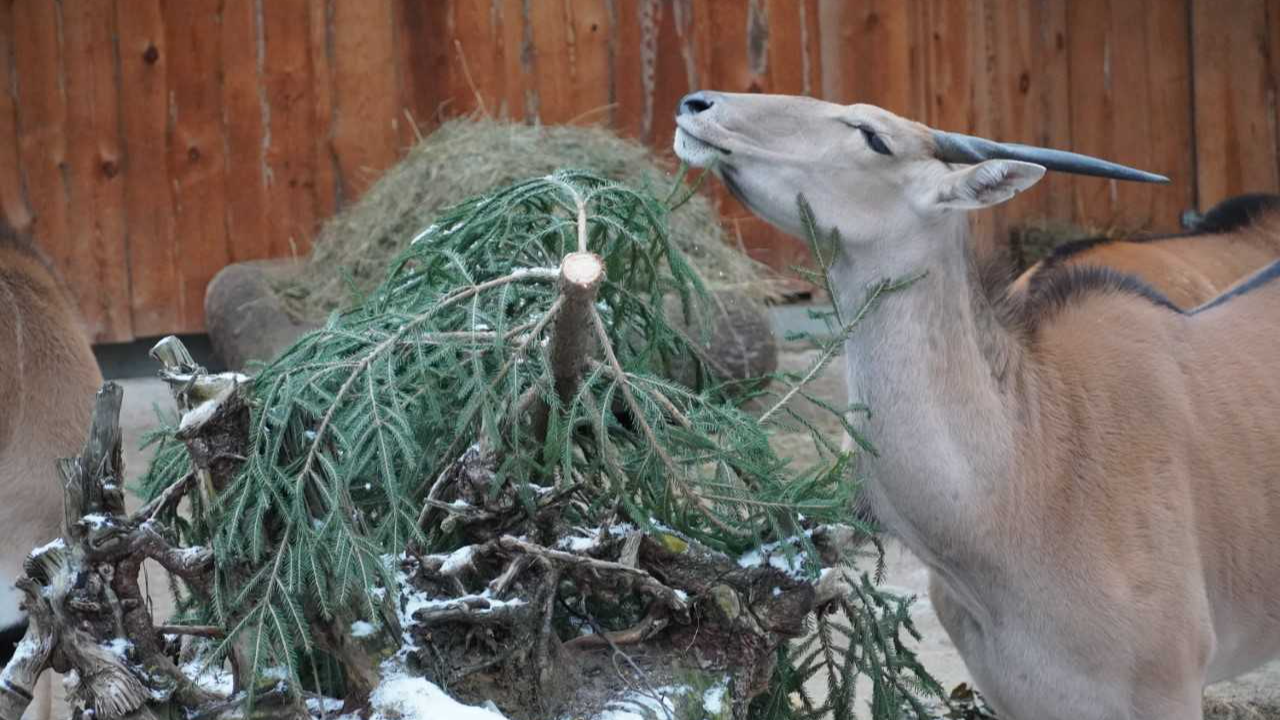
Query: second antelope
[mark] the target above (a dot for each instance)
(1236, 237)
(48, 376)
(1090, 473)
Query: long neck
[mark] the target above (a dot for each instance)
(939, 374)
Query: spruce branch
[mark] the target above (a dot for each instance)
(448, 464)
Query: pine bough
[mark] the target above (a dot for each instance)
(480, 484)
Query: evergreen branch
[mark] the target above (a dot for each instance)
(363, 364)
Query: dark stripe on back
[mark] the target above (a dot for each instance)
(1230, 215)
(1257, 280)
(1237, 212)
(1051, 292)
(9, 639)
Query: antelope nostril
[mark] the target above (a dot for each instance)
(694, 103)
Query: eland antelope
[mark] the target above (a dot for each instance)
(1236, 237)
(1091, 475)
(48, 377)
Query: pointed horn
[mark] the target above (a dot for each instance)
(957, 148)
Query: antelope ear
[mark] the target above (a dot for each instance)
(988, 183)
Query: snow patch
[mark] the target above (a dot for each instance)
(56, 543)
(360, 629)
(713, 698)
(793, 566)
(403, 697)
(641, 706)
(200, 414)
(323, 706)
(119, 647)
(216, 680)
(26, 648)
(95, 521)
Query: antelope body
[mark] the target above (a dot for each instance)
(1091, 474)
(1236, 237)
(48, 377)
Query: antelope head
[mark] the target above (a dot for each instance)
(884, 173)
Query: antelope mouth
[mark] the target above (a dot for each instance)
(696, 151)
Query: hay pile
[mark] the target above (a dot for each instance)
(469, 156)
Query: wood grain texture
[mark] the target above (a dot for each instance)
(1234, 100)
(328, 191)
(289, 101)
(366, 135)
(245, 115)
(513, 63)
(1051, 86)
(1168, 98)
(197, 157)
(13, 196)
(92, 171)
(469, 39)
(210, 131)
(148, 190)
(632, 73)
(42, 126)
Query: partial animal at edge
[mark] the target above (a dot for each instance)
(1089, 471)
(1236, 237)
(48, 377)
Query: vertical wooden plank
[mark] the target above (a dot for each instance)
(327, 188)
(873, 54)
(1234, 108)
(288, 162)
(1132, 129)
(367, 105)
(786, 47)
(1092, 102)
(588, 23)
(1169, 100)
(148, 199)
(552, 62)
(197, 160)
(811, 46)
(744, 40)
(472, 74)
(627, 82)
(13, 199)
(1009, 39)
(42, 118)
(1051, 78)
(950, 65)
(96, 268)
(245, 115)
(635, 66)
(1273, 68)
(1129, 94)
(671, 82)
(731, 69)
(513, 62)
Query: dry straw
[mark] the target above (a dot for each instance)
(470, 156)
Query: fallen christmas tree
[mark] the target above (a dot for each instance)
(480, 487)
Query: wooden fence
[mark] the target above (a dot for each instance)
(148, 143)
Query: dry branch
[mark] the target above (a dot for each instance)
(88, 615)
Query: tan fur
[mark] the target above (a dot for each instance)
(1091, 475)
(48, 377)
(1190, 270)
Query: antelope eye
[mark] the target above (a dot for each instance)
(874, 140)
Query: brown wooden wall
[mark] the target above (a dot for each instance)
(147, 143)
